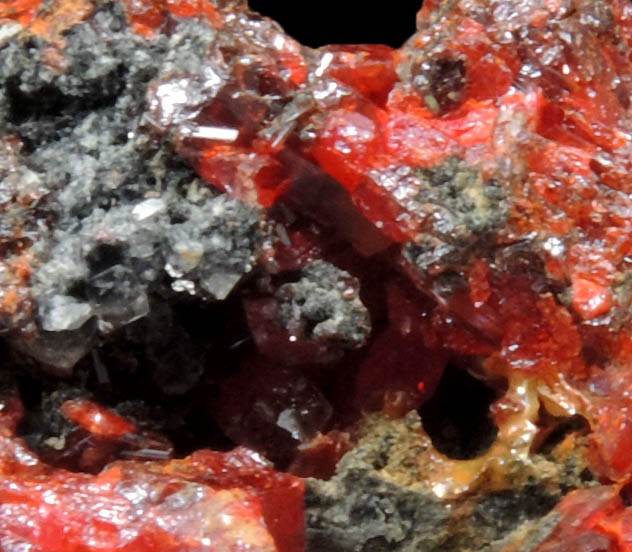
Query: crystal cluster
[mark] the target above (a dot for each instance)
(403, 274)
(207, 501)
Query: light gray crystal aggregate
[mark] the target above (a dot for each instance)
(117, 222)
(325, 306)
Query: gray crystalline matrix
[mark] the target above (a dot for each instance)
(213, 248)
(115, 220)
(324, 305)
(109, 267)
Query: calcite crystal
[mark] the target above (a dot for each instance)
(229, 261)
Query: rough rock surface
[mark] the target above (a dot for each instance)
(324, 305)
(379, 500)
(118, 217)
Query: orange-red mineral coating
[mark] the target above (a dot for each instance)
(211, 501)
(96, 419)
(146, 16)
(49, 23)
(21, 11)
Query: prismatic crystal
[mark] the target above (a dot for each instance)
(256, 296)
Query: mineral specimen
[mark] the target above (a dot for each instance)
(403, 275)
(207, 501)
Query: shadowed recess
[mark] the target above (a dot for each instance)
(457, 417)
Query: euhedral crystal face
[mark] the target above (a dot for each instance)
(232, 265)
